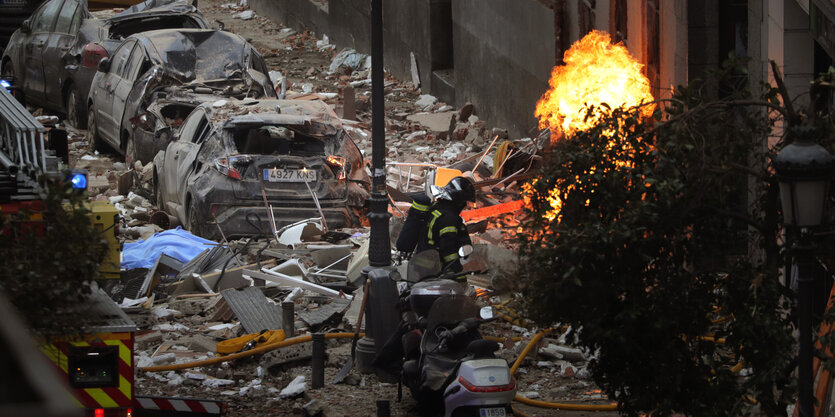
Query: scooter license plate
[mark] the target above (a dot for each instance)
(492, 412)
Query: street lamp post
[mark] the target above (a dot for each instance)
(381, 316)
(804, 169)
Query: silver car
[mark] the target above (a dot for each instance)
(232, 159)
(54, 54)
(154, 80)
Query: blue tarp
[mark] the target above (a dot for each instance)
(176, 243)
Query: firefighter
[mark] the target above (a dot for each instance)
(444, 229)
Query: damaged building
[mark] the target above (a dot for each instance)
(499, 54)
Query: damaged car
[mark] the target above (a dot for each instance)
(153, 81)
(53, 56)
(248, 167)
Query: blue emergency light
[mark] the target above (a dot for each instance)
(78, 179)
(5, 84)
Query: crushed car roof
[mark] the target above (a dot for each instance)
(153, 7)
(241, 113)
(196, 54)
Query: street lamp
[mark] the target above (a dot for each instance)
(804, 169)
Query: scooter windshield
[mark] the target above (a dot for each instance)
(423, 265)
(449, 310)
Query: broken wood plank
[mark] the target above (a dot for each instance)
(491, 211)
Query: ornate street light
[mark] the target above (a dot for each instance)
(804, 170)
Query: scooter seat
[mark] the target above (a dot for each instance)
(482, 348)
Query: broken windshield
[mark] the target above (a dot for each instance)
(277, 140)
(201, 55)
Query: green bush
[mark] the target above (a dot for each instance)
(650, 251)
(47, 274)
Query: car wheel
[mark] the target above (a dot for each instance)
(93, 141)
(75, 108)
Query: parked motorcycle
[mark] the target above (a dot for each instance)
(446, 364)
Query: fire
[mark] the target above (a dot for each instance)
(595, 72)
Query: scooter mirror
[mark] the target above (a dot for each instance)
(487, 313)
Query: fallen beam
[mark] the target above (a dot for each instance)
(491, 211)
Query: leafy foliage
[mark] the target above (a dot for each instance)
(48, 263)
(649, 254)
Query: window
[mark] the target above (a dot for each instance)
(276, 140)
(93, 366)
(203, 129)
(257, 62)
(66, 17)
(120, 58)
(46, 18)
(617, 21)
(76, 22)
(195, 123)
(135, 61)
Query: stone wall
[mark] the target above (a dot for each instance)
(504, 50)
(300, 15)
(504, 53)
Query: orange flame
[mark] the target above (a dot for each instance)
(595, 72)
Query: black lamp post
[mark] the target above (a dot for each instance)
(381, 317)
(804, 169)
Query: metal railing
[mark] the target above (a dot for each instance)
(22, 153)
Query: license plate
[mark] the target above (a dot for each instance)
(289, 175)
(492, 412)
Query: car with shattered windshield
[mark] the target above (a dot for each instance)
(153, 81)
(244, 167)
(54, 54)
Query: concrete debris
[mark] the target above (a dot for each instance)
(217, 382)
(313, 408)
(568, 353)
(195, 376)
(550, 352)
(160, 312)
(531, 395)
(350, 60)
(164, 358)
(274, 359)
(244, 15)
(175, 327)
(295, 388)
(426, 101)
(324, 313)
(222, 326)
(435, 122)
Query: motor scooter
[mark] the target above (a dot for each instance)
(446, 364)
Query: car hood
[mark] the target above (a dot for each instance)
(154, 8)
